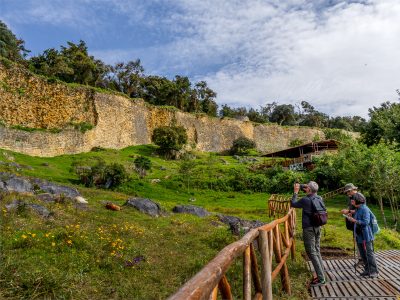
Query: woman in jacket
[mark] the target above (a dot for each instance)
(364, 237)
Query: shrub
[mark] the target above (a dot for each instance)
(296, 142)
(115, 174)
(83, 126)
(242, 145)
(142, 165)
(170, 139)
(101, 174)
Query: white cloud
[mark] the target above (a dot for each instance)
(343, 58)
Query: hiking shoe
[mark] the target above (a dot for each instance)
(318, 282)
(373, 275)
(360, 263)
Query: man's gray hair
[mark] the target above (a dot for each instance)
(313, 186)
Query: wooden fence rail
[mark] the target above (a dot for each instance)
(275, 239)
(279, 205)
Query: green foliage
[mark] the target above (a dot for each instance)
(187, 170)
(242, 145)
(142, 165)
(384, 124)
(82, 126)
(101, 174)
(169, 138)
(11, 47)
(126, 78)
(141, 252)
(70, 64)
(28, 129)
(338, 135)
(283, 114)
(296, 142)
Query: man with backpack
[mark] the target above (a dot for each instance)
(364, 228)
(314, 216)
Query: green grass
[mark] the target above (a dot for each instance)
(102, 254)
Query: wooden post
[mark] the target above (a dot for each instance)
(225, 289)
(266, 242)
(254, 270)
(214, 294)
(285, 280)
(247, 274)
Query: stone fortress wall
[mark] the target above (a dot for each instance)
(30, 101)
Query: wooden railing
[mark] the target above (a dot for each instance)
(275, 239)
(279, 205)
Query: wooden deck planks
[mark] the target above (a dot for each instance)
(344, 283)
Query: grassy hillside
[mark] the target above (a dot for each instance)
(102, 254)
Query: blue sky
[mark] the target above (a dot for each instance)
(341, 56)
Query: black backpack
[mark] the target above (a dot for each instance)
(319, 215)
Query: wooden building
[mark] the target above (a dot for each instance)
(300, 157)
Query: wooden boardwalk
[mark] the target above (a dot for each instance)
(344, 284)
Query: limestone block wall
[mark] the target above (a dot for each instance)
(122, 122)
(31, 101)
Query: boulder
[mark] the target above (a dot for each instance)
(17, 184)
(238, 225)
(46, 197)
(146, 206)
(14, 205)
(56, 189)
(40, 210)
(191, 209)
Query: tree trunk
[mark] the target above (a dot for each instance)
(380, 200)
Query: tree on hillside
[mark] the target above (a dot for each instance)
(182, 95)
(126, 77)
(142, 165)
(187, 170)
(157, 90)
(206, 98)
(71, 64)
(170, 139)
(384, 124)
(242, 145)
(283, 114)
(309, 116)
(11, 47)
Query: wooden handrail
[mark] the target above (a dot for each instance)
(271, 241)
(279, 205)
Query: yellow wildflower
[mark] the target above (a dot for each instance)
(24, 236)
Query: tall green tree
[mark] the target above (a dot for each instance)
(11, 47)
(126, 77)
(170, 139)
(72, 63)
(283, 114)
(206, 97)
(384, 124)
